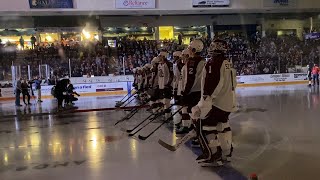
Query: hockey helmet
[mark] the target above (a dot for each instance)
(155, 60)
(177, 54)
(217, 46)
(185, 52)
(163, 53)
(147, 66)
(196, 45)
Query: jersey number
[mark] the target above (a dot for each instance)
(190, 70)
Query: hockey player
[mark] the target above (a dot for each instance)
(135, 78)
(177, 80)
(154, 85)
(192, 84)
(146, 74)
(140, 79)
(217, 102)
(165, 78)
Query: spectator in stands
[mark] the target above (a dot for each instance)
(33, 41)
(104, 73)
(21, 42)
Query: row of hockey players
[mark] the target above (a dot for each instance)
(205, 90)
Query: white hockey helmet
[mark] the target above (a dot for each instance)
(177, 54)
(139, 69)
(147, 66)
(217, 46)
(196, 45)
(155, 60)
(164, 54)
(185, 52)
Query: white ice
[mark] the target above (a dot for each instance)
(276, 136)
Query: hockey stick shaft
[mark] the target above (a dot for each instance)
(153, 114)
(132, 113)
(128, 116)
(164, 122)
(129, 101)
(127, 98)
(183, 140)
(151, 120)
(124, 97)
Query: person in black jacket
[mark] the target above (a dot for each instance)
(60, 91)
(25, 91)
(70, 95)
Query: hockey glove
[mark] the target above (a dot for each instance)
(205, 104)
(195, 113)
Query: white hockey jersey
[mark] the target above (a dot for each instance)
(140, 81)
(165, 74)
(219, 83)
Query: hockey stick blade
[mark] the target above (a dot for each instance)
(131, 135)
(155, 115)
(142, 137)
(167, 146)
(181, 141)
(164, 122)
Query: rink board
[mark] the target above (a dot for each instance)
(119, 85)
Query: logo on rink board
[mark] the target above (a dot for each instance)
(279, 3)
(210, 3)
(135, 4)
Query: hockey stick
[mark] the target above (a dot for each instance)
(183, 140)
(124, 97)
(153, 114)
(131, 113)
(164, 122)
(151, 120)
(120, 103)
(129, 102)
(128, 116)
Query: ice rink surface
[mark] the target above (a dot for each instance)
(276, 135)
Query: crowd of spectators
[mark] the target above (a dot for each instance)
(256, 55)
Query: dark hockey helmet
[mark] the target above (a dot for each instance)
(217, 46)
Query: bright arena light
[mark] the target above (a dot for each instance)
(86, 34)
(49, 38)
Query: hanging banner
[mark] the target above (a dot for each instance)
(135, 4)
(279, 3)
(50, 4)
(210, 3)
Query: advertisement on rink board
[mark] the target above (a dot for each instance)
(279, 3)
(6, 92)
(100, 79)
(210, 3)
(271, 78)
(50, 4)
(120, 86)
(124, 83)
(135, 4)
